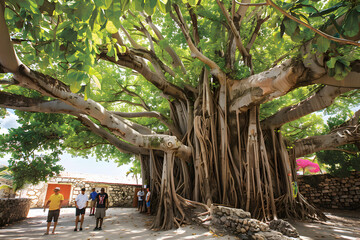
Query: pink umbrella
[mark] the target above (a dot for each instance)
(305, 163)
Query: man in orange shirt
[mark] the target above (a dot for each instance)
(55, 202)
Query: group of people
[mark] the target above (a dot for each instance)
(99, 201)
(140, 195)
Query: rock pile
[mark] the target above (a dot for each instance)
(326, 191)
(284, 227)
(239, 222)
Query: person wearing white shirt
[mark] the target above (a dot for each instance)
(81, 203)
(140, 195)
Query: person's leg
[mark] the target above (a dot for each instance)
(56, 217)
(82, 220)
(101, 222)
(97, 224)
(48, 228)
(53, 231)
(49, 219)
(76, 222)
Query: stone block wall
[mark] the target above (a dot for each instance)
(36, 193)
(13, 209)
(325, 191)
(120, 195)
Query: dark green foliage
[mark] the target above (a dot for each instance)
(340, 163)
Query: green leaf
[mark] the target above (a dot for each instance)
(124, 5)
(108, 3)
(110, 27)
(323, 44)
(351, 26)
(100, 3)
(69, 34)
(331, 62)
(139, 5)
(87, 92)
(96, 80)
(290, 26)
(161, 6)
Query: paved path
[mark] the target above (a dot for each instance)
(127, 223)
(120, 223)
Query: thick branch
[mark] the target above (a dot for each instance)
(138, 65)
(13, 101)
(339, 137)
(320, 100)
(152, 114)
(120, 145)
(9, 62)
(279, 80)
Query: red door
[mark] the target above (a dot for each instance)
(65, 190)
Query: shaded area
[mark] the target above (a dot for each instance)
(342, 224)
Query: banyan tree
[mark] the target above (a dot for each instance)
(198, 90)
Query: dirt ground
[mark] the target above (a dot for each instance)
(127, 223)
(120, 223)
(341, 225)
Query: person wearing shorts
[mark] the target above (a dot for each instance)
(81, 203)
(93, 202)
(102, 204)
(147, 199)
(54, 202)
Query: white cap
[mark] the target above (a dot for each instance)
(57, 188)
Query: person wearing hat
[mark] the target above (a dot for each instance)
(54, 202)
(81, 203)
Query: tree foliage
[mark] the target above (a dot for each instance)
(217, 99)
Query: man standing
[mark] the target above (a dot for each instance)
(102, 204)
(93, 195)
(81, 203)
(55, 202)
(140, 195)
(148, 200)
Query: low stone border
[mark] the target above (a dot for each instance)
(239, 222)
(13, 209)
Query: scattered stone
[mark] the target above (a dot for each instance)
(284, 227)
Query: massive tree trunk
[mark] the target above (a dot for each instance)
(217, 151)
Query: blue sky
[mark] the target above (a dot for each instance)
(71, 164)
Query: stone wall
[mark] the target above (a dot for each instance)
(13, 209)
(325, 191)
(238, 222)
(36, 193)
(120, 195)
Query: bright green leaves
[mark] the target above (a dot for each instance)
(110, 27)
(76, 78)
